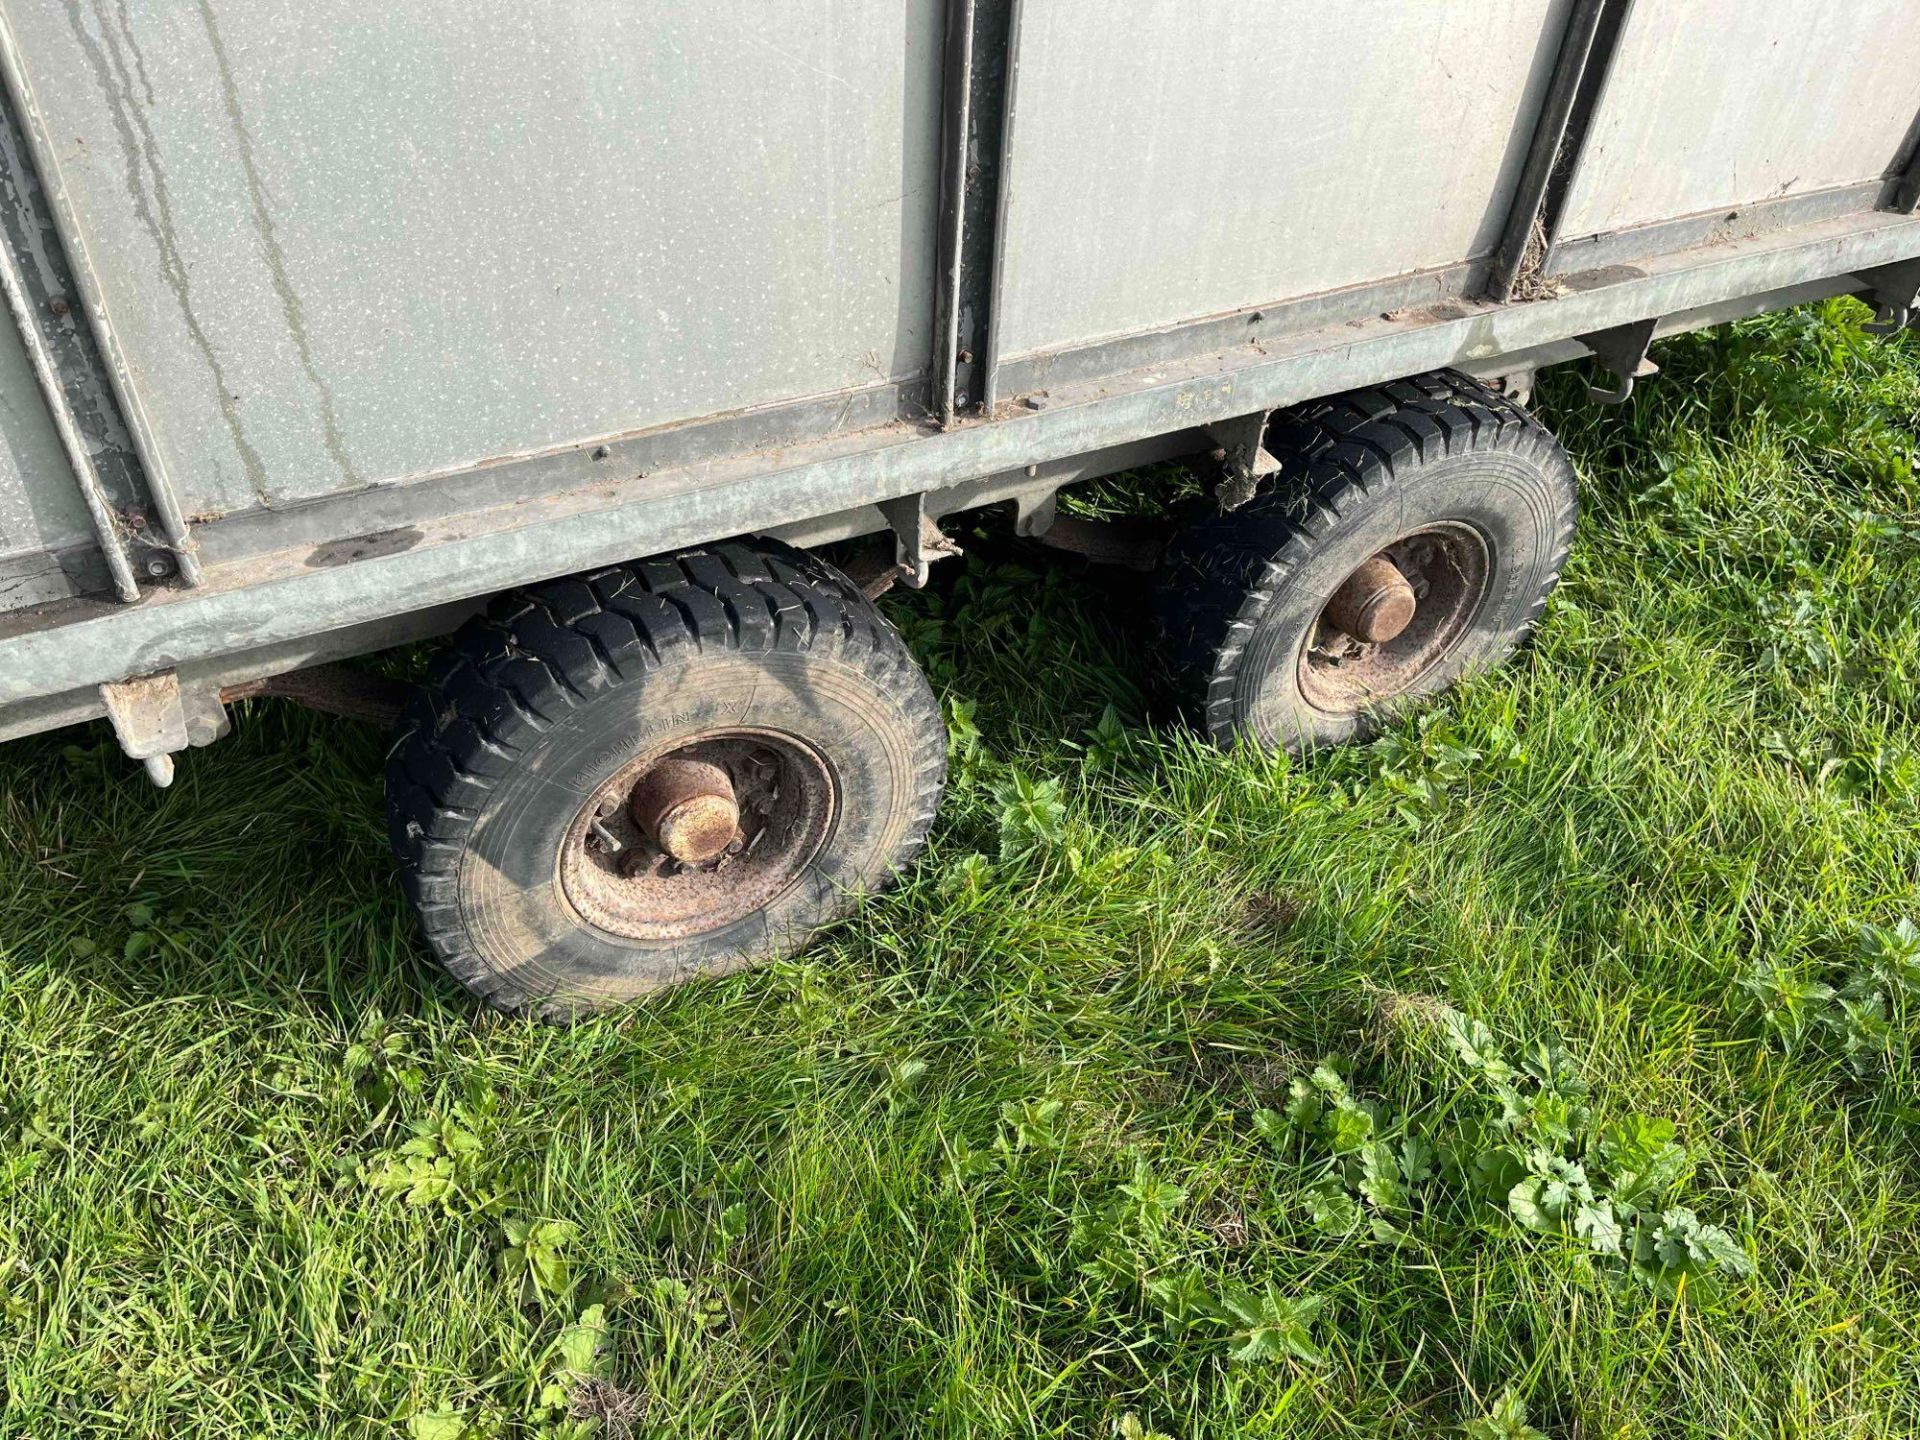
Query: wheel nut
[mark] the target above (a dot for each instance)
(1375, 604)
(688, 808)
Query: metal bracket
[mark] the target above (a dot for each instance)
(1516, 385)
(1243, 451)
(1623, 351)
(1035, 516)
(918, 540)
(154, 717)
(1894, 293)
(1523, 261)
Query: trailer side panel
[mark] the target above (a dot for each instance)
(1195, 159)
(345, 245)
(1713, 106)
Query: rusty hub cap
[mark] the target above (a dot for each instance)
(688, 841)
(1375, 604)
(687, 808)
(1395, 619)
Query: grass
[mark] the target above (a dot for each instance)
(1011, 1154)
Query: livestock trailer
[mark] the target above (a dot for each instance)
(570, 328)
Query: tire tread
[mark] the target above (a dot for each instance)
(1225, 571)
(539, 654)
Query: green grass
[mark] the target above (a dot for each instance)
(878, 1189)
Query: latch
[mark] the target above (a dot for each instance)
(1622, 351)
(154, 716)
(917, 538)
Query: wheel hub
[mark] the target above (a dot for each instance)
(1376, 604)
(688, 809)
(1396, 618)
(688, 841)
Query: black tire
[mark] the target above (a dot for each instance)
(562, 689)
(1441, 463)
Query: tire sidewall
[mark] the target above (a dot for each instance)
(1513, 501)
(512, 905)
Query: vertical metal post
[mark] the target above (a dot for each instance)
(91, 351)
(112, 543)
(979, 64)
(956, 142)
(1903, 191)
(1587, 49)
(1002, 189)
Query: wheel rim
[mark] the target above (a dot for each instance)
(688, 840)
(1443, 570)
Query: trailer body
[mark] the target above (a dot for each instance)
(328, 323)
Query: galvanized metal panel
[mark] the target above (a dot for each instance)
(345, 244)
(1713, 105)
(1171, 160)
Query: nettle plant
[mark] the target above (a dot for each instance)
(1129, 1238)
(1134, 1233)
(1519, 1139)
(1422, 765)
(1864, 1016)
(1515, 1143)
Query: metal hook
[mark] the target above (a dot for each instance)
(1618, 394)
(1622, 350)
(1890, 320)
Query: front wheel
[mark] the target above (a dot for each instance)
(1416, 535)
(660, 771)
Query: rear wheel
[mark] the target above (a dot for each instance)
(1416, 535)
(659, 771)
